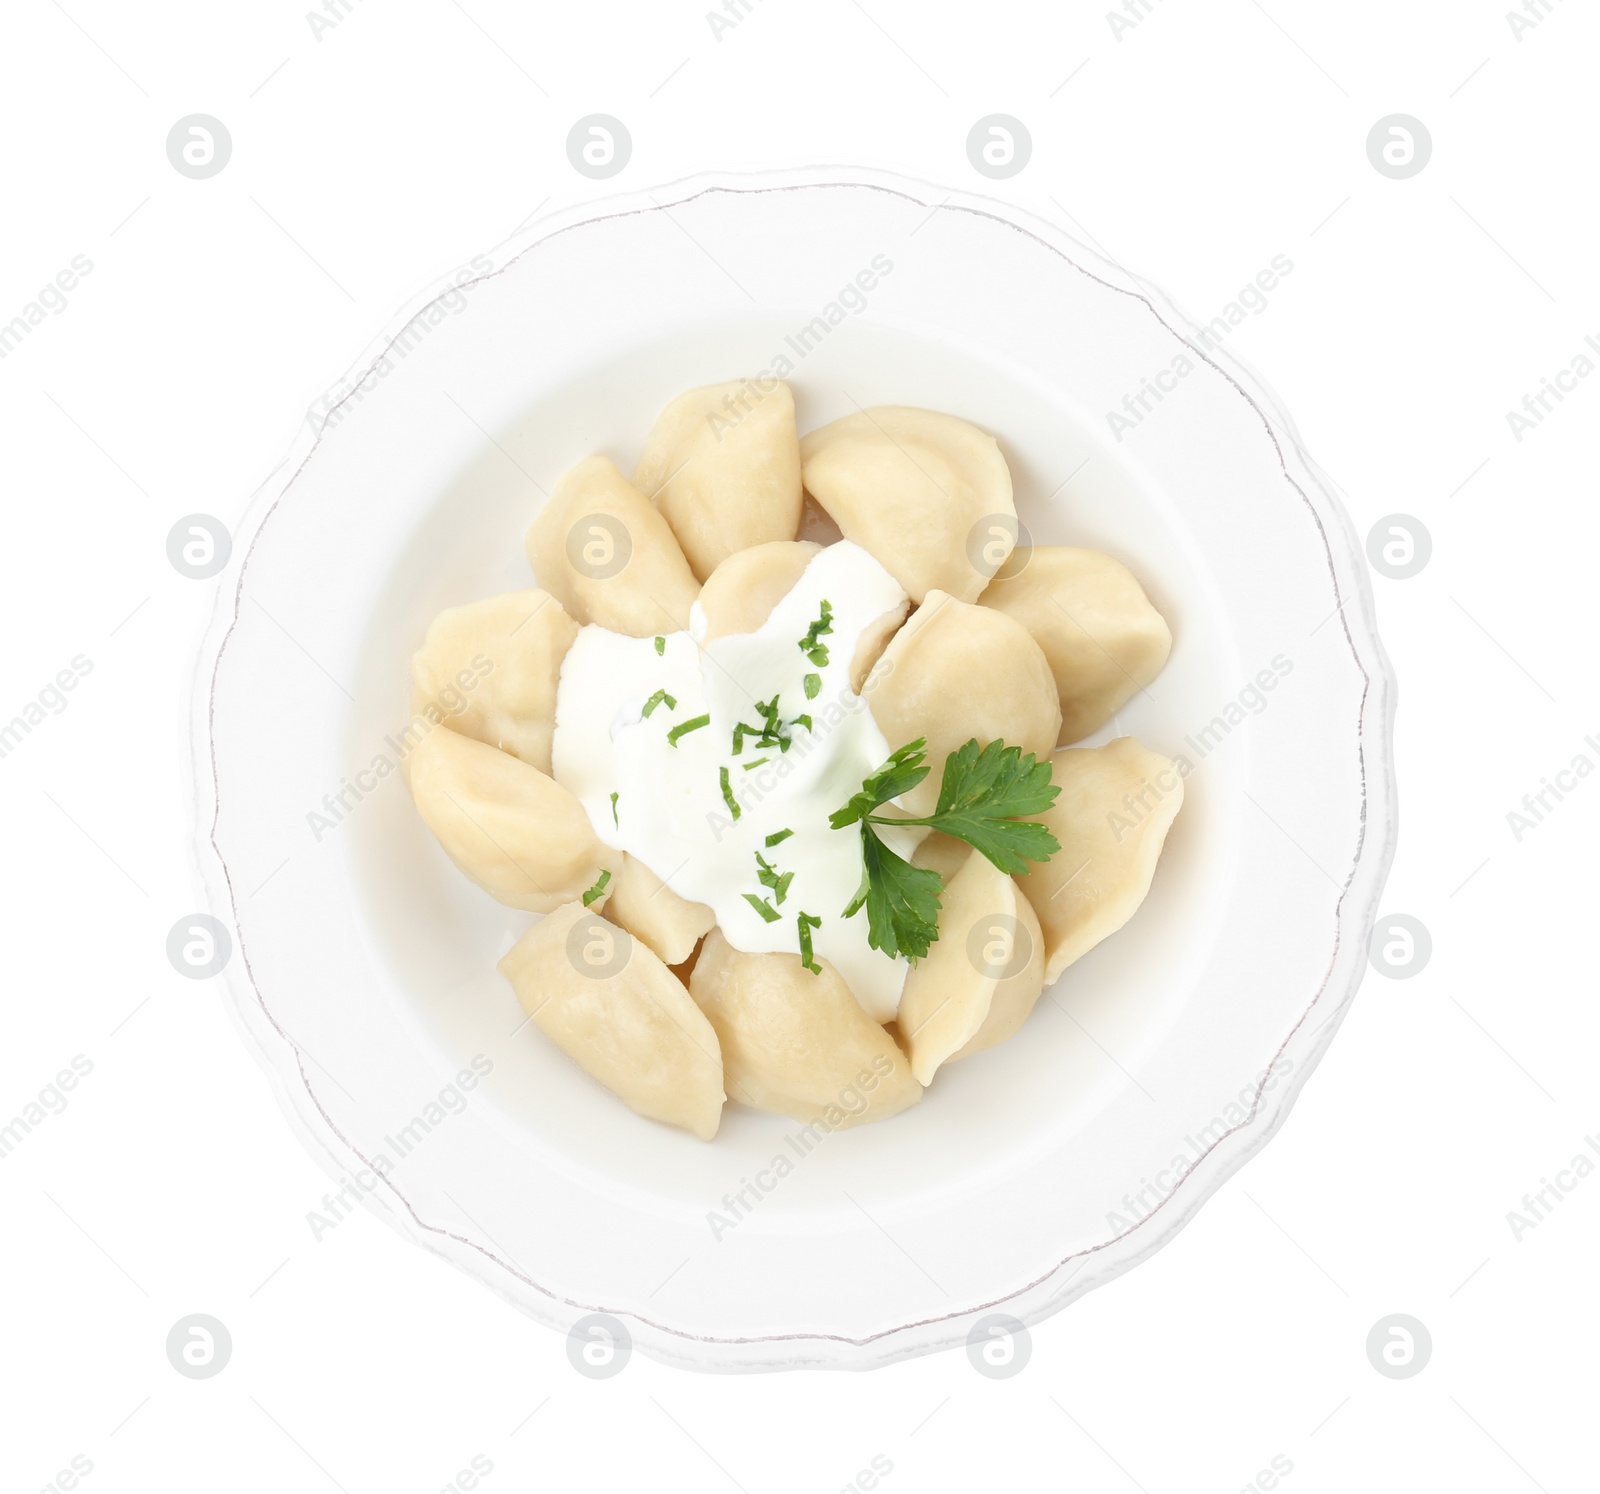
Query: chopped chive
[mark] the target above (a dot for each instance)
(684, 728)
(768, 913)
(661, 644)
(598, 888)
(778, 837)
(614, 820)
(814, 650)
(767, 874)
(807, 922)
(656, 699)
(760, 762)
(813, 686)
(727, 793)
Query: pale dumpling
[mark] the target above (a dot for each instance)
(491, 669)
(798, 1043)
(512, 829)
(740, 594)
(955, 672)
(871, 645)
(1112, 815)
(980, 979)
(608, 557)
(911, 486)
(610, 1004)
(650, 910)
(723, 466)
(1104, 640)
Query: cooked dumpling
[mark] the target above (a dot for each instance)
(871, 643)
(955, 672)
(1112, 815)
(512, 829)
(909, 486)
(723, 466)
(797, 1043)
(491, 669)
(608, 557)
(608, 1003)
(1096, 626)
(977, 984)
(740, 594)
(650, 910)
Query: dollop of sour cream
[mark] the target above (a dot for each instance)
(698, 811)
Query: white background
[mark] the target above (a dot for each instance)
(1200, 143)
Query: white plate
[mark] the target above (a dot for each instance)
(365, 977)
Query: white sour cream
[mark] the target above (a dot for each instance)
(665, 803)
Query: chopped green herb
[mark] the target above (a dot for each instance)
(804, 721)
(760, 762)
(778, 837)
(597, 890)
(661, 644)
(980, 797)
(813, 686)
(657, 699)
(684, 728)
(814, 650)
(727, 793)
(771, 732)
(769, 876)
(808, 922)
(614, 820)
(768, 913)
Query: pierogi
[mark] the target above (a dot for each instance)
(792, 809)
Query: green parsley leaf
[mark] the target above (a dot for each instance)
(903, 771)
(814, 650)
(813, 684)
(778, 837)
(657, 699)
(598, 888)
(683, 730)
(807, 922)
(981, 796)
(768, 913)
(661, 644)
(902, 900)
(769, 876)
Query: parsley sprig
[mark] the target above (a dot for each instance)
(981, 797)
